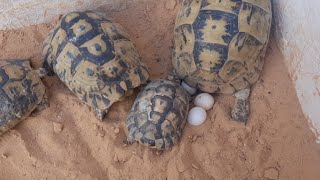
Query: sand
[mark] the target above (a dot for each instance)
(65, 141)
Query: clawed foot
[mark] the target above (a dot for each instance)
(42, 105)
(174, 78)
(129, 141)
(42, 72)
(100, 113)
(240, 111)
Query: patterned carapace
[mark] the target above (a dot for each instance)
(21, 91)
(94, 57)
(158, 115)
(220, 44)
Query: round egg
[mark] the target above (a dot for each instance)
(197, 116)
(204, 100)
(189, 89)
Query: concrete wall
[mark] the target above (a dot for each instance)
(297, 30)
(19, 13)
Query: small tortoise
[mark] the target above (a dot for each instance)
(158, 115)
(220, 45)
(95, 58)
(21, 92)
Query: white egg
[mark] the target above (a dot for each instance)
(204, 100)
(197, 116)
(189, 89)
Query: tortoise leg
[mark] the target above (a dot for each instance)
(100, 113)
(47, 69)
(127, 94)
(42, 72)
(43, 104)
(240, 111)
(173, 77)
(129, 140)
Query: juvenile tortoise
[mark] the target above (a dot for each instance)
(21, 92)
(158, 115)
(220, 45)
(95, 58)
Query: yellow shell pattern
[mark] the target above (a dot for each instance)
(94, 57)
(158, 115)
(21, 90)
(220, 44)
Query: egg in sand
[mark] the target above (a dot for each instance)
(204, 100)
(197, 116)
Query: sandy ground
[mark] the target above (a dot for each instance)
(65, 141)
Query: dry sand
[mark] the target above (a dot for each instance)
(65, 141)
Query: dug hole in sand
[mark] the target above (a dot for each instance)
(66, 141)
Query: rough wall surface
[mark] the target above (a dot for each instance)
(19, 13)
(297, 30)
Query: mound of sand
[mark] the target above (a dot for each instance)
(65, 141)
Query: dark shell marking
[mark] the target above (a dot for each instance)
(94, 57)
(158, 115)
(21, 90)
(219, 45)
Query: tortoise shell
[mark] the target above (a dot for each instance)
(94, 57)
(21, 91)
(219, 45)
(158, 115)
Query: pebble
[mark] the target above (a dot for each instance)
(170, 4)
(101, 132)
(194, 138)
(57, 127)
(4, 155)
(271, 173)
(181, 167)
(115, 159)
(159, 152)
(116, 130)
(195, 167)
(95, 126)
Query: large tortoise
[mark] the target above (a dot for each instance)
(220, 45)
(95, 58)
(158, 115)
(21, 92)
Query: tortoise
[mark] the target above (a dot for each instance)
(95, 58)
(220, 46)
(21, 92)
(158, 115)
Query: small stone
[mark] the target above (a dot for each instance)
(57, 127)
(4, 155)
(148, 8)
(95, 126)
(170, 4)
(194, 138)
(181, 167)
(271, 173)
(116, 130)
(115, 159)
(159, 152)
(195, 167)
(262, 141)
(239, 144)
(101, 132)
